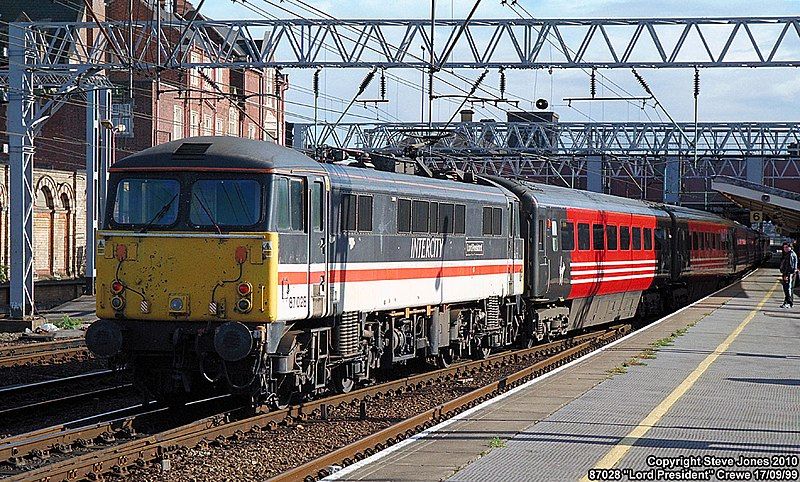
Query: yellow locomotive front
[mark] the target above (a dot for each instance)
(186, 278)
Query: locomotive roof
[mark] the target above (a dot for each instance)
(207, 152)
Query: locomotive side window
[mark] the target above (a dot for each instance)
(318, 206)
(348, 212)
(567, 236)
(419, 216)
(365, 213)
(583, 236)
(296, 206)
(611, 232)
(433, 217)
(493, 221)
(280, 204)
(403, 216)
(636, 237)
(460, 221)
(694, 241)
(497, 221)
(648, 239)
(487, 221)
(598, 233)
(624, 238)
(445, 218)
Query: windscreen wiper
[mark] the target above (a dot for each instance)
(160, 214)
(208, 213)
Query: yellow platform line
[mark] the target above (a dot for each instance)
(625, 444)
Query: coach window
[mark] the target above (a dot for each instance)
(445, 218)
(348, 212)
(624, 238)
(403, 216)
(419, 216)
(597, 237)
(487, 221)
(694, 241)
(567, 236)
(648, 239)
(365, 213)
(460, 222)
(611, 233)
(636, 238)
(660, 238)
(583, 236)
(433, 217)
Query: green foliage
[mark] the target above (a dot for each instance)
(497, 443)
(3, 273)
(68, 323)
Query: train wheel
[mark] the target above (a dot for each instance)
(283, 395)
(444, 358)
(481, 352)
(343, 384)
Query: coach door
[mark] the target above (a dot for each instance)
(318, 196)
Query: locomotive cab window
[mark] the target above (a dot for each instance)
(236, 202)
(583, 236)
(147, 201)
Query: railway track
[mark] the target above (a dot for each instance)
(49, 395)
(45, 353)
(96, 449)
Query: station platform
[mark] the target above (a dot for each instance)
(726, 386)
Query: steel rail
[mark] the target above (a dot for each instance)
(43, 353)
(226, 425)
(362, 448)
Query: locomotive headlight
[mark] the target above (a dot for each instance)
(118, 303)
(176, 304)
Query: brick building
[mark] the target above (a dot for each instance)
(236, 102)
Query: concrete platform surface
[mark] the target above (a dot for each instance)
(728, 387)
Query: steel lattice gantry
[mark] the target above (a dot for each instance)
(66, 57)
(647, 160)
(489, 43)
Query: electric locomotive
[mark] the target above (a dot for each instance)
(234, 265)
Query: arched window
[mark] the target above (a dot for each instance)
(44, 229)
(65, 223)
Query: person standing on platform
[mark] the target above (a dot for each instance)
(788, 269)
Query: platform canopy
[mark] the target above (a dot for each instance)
(765, 203)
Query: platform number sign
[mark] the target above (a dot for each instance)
(756, 216)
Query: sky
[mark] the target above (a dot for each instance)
(726, 94)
